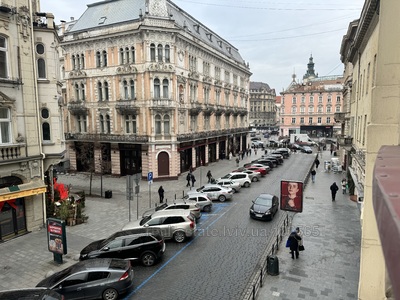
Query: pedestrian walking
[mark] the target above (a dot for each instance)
(316, 163)
(188, 178)
(331, 149)
(313, 173)
(300, 234)
(190, 169)
(249, 151)
(161, 193)
(344, 185)
(255, 151)
(242, 155)
(209, 176)
(193, 179)
(334, 188)
(237, 161)
(294, 239)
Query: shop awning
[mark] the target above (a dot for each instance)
(22, 190)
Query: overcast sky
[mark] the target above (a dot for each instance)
(276, 37)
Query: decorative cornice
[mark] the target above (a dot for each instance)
(126, 69)
(194, 75)
(77, 74)
(161, 67)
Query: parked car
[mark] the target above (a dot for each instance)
(201, 200)
(262, 170)
(264, 207)
(242, 178)
(273, 144)
(215, 192)
(100, 278)
(227, 183)
(276, 156)
(306, 149)
(254, 176)
(176, 224)
(30, 294)
(248, 165)
(296, 147)
(257, 144)
(177, 204)
(285, 152)
(267, 162)
(148, 247)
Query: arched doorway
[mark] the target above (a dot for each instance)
(163, 164)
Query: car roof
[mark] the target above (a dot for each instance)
(266, 196)
(174, 212)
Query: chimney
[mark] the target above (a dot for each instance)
(50, 20)
(62, 27)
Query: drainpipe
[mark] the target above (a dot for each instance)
(36, 95)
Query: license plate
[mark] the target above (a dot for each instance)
(259, 216)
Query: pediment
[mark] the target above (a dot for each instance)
(5, 100)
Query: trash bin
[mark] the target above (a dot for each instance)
(108, 194)
(272, 265)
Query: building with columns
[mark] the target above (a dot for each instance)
(310, 106)
(262, 105)
(31, 124)
(151, 89)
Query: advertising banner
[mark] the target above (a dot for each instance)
(292, 195)
(56, 236)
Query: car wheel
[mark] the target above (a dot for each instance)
(221, 198)
(110, 294)
(255, 179)
(148, 259)
(247, 184)
(235, 191)
(179, 236)
(207, 208)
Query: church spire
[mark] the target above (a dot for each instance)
(310, 74)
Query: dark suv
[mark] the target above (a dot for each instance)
(148, 247)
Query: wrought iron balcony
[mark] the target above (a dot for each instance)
(77, 108)
(127, 107)
(105, 137)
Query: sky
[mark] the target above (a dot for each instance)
(276, 37)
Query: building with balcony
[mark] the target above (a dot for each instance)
(31, 124)
(310, 106)
(262, 106)
(369, 52)
(151, 89)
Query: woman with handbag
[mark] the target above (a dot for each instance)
(300, 234)
(294, 239)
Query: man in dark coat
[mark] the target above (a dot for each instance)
(316, 163)
(334, 188)
(193, 180)
(294, 239)
(209, 176)
(188, 177)
(161, 194)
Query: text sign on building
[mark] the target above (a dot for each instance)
(56, 236)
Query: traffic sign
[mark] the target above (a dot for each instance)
(150, 177)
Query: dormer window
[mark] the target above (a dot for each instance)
(197, 28)
(102, 20)
(219, 43)
(209, 35)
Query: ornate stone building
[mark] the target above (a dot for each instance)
(151, 89)
(31, 134)
(262, 105)
(310, 106)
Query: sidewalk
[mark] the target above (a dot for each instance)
(329, 266)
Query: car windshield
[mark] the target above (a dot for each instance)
(145, 220)
(263, 201)
(161, 207)
(226, 176)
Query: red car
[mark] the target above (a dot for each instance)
(263, 171)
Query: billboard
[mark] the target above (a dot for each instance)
(56, 236)
(292, 195)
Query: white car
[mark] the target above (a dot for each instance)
(214, 192)
(235, 186)
(200, 199)
(254, 176)
(242, 178)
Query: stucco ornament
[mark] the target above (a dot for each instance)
(158, 8)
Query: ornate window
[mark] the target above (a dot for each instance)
(130, 124)
(82, 123)
(167, 54)
(105, 123)
(159, 53)
(5, 125)
(166, 124)
(152, 52)
(45, 125)
(41, 65)
(157, 119)
(165, 88)
(157, 88)
(3, 57)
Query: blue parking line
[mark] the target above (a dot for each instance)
(172, 258)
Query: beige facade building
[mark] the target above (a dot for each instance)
(262, 105)
(31, 131)
(372, 69)
(310, 106)
(151, 89)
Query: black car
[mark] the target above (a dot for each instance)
(31, 294)
(285, 152)
(101, 278)
(264, 207)
(146, 246)
(272, 163)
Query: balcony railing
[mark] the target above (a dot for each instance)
(162, 102)
(11, 152)
(105, 137)
(210, 134)
(127, 107)
(77, 108)
(345, 140)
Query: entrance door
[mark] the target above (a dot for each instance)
(163, 164)
(12, 218)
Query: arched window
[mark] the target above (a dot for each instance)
(102, 127)
(83, 93)
(82, 62)
(73, 62)
(108, 123)
(157, 88)
(158, 124)
(106, 91)
(41, 68)
(126, 92)
(152, 52)
(127, 54)
(98, 59)
(132, 86)
(133, 54)
(165, 88)
(76, 92)
(104, 58)
(121, 56)
(159, 52)
(46, 131)
(167, 55)
(166, 124)
(100, 91)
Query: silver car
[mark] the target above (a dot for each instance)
(200, 199)
(215, 192)
(178, 204)
(254, 176)
(227, 183)
(176, 224)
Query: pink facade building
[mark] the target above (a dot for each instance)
(310, 106)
